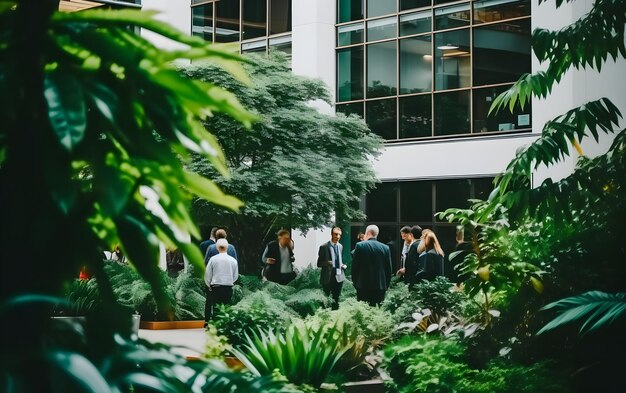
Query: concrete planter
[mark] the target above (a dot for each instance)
(369, 386)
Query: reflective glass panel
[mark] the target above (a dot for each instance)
(452, 193)
(410, 4)
(255, 46)
(503, 120)
(350, 34)
(452, 113)
(254, 19)
(350, 74)
(381, 203)
(355, 108)
(495, 10)
(452, 59)
(380, 7)
(416, 201)
(453, 16)
(202, 21)
(501, 52)
(227, 21)
(349, 10)
(381, 29)
(415, 116)
(280, 16)
(381, 69)
(381, 117)
(416, 62)
(415, 23)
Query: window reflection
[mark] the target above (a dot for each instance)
(280, 16)
(254, 19)
(381, 29)
(415, 116)
(350, 74)
(452, 113)
(409, 4)
(381, 66)
(350, 34)
(350, 109)
(349, 10)
(415, 23)
(415, 65)
(503, 120)
(202, 22)
(380, 7)
(451, 17)
(226, 21)
(381, 117)
(495, 10)
(452, 59)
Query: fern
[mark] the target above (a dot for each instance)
(598, 309)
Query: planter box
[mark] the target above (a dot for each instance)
(370, 386)
(233, 363)
(166, 325)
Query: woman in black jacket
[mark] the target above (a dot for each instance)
(430, 261)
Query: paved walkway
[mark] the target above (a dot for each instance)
(186, 342)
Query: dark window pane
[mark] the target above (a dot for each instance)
(409, 4)
(355, 108)
(453, 16)
(381, 69)
(254, 19)
(202, 21)
(503, 120)
(452, 113)
(227, 21)
(381, 29)
(348, 10)
(254, 46)
(381, 117)
(350, 34)
(452, 194)
(452, 59)
(416, 201)
(415, 23)
(350, 74)
(415, 116)
(436, 2)
(280, 16)
(501, 52)
(415, 65)
(482, 187)
(381, 203)
(380, 7)
(446, 234)
(495, 10)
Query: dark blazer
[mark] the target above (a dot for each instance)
(212, 251)
(430, 265)
(411, 262)
(371, 265)
(205, 246)
(324, 260)
(272, 272)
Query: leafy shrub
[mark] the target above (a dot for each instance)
(83, 296)
(282, 292)
(505, 377)
(348, 290)
(190, 297)
(301, 354)
(401, 302)
(308, 301)
(251, 283)
(216, 345)
(258, 311)
(440, 296)
(373, 323)
(309, 278)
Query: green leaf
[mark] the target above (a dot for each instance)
(81, 370)
(208, 190)
(66, 107)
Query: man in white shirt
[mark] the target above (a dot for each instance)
(219, 278)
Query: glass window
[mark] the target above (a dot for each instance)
(254, 19)
(282, 44)
(227, 21)
(350, 74)
(280, 16)
(482, 187)
(446, 234)
(452, 59)
(452, 193)
(355, 108)
(202, 21)
(437, 2)
(381, 29)
(380, 7)
(453, 16)
(503, 120)
(410, 4)
(416, 61)
(416, 201)
(495, 10)
(382, 203)
(381, 69)
(501, 52)
(415, 23)
(254, 46)
(350, 34)
(452, 113)
(415, 116)
(349, 10)
(381, 117)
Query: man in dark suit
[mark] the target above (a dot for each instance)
(371, 268)
(329, 258)
(409, 269)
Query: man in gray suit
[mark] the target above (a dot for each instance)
(329, 258)
(371, 268)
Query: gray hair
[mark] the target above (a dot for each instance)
(221, 244)
(373, 229)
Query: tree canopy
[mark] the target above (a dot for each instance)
(295, 167)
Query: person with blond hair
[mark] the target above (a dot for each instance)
(430, 262)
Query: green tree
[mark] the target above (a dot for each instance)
(294, 167)
(94, 120)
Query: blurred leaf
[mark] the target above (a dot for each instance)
(66, 107)
(80, 369)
